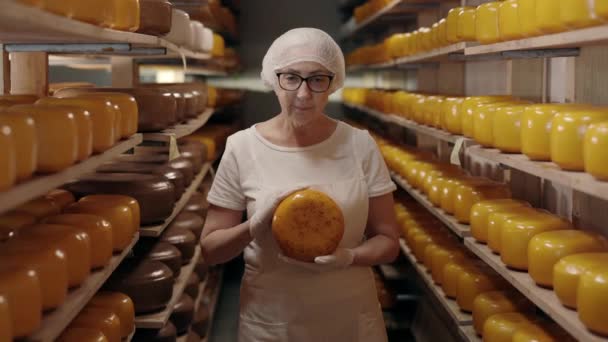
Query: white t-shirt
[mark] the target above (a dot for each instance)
(250, 163)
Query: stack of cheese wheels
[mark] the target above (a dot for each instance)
(121, 15)
(308, 224)
(109, 316)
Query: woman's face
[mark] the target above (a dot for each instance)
(303, 105)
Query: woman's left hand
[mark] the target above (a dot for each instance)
(340, 259)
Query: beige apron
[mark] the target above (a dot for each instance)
(283, 302)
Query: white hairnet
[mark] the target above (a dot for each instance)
(304, 45)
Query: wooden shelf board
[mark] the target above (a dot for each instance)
(545, 299)
(578, 181)
(467, 332)
(156, 231)
(182, 130)
(397, 120)
(178, 51)
(576, 38)
(396, 7)
(436, 55)
(459, 317)
(55, 322)
(22, 24)
(42, 184)
(159, 319)
(25, 24)
(459, 229)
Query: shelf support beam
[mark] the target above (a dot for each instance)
(29, 72)
(125, 72)
(5, 72)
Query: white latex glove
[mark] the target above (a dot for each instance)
(260, 222)
(340, 259)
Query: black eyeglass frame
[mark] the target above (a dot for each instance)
(302, 80)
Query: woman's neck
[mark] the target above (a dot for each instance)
(282, 131)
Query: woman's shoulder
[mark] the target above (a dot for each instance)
(240, 138)
(359, 135)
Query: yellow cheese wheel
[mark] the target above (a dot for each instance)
(219, 46)
(436, 189)
(567, 273)
(509, 25)
(481, 210)
(486, 23)
(494, 302)
(447, 193)
(117, 200)
(124, 15)
(466, 26)
(536, 130)
(420, 242)
(501, 327)
(468, 195)
(84, 129)
(12, 222)
(74, 334)
(429, 251)
(74, 242)
(440, 259)
(307, 224)
(548, 16)
(496, 221)
(56, 135)
(6, 329)
(93, 12)
(592, 299)
(40, 207)
(119, 216)
(8, 158)
(21, 289)
(103, 117)
(13, 99)
(121, 305)
(507, 128)
(49, 263)
(546, 249)
(517, 232)
(469, 104)
(472, 282)
(578, 13)
(595, 150)
(98, 229)
(541, 332)
(601, 8)
(129, 113)
(451, 274)
(567, 136)
(100, 319)
(453, 20)
(25, 142)
(527, 18)
(61, 197)
(59, 7)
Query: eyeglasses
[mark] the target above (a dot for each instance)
(315, 83)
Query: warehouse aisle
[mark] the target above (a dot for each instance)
(225, 322)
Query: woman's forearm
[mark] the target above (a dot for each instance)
(222, 245)
(380, 249)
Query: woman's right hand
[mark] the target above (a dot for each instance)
(261, 221)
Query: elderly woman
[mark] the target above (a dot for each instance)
(333, 299)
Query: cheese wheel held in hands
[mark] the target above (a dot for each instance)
(307, 224)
